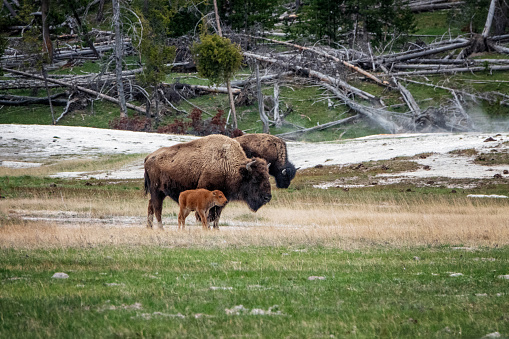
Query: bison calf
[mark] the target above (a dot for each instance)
(200, 200)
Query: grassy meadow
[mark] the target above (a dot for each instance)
(405, 260)
(391, 261)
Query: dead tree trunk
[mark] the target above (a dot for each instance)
(277, 117)
(100, 11)
(45, 76)
(261, 109)
(489, 19)
(118, 58)
(232, 104)
(47, 45)
(216, 12)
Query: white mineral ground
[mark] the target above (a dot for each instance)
(31, 145)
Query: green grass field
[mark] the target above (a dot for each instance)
(269, 292)
(370, 262)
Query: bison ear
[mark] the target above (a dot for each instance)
(214, 193)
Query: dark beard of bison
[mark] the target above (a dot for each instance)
(255, 186)
(283, 175)
(254, 198)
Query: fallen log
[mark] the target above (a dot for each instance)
(80, 88)
(373, 114)
(242, 83)
(430, 51)
(81, 81)
(290, 135)
(18, 100)
(499, 49)
(212, 89)
(413, 54)
(453, 70)
(33, 101)
(470, 62)
(435, 7)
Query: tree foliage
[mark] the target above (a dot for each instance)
(340, 21)
(217, 58)
(471, 17)
(244, 15)
(154, 53)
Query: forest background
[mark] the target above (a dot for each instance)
(327, 69)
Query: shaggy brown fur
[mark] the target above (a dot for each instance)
(201, 201)
(212, 162)
(273, 150)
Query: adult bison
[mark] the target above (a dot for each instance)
(215, 162)
(273, 150)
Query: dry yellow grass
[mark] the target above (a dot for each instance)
(77, 222)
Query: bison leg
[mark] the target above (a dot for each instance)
(214, 215)
(182, 218)
(155, 206)
(150, 216)
(204, 221)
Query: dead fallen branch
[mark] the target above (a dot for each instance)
(294, 134)
(327, 55)
(314, 74)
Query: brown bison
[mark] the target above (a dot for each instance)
(201, 201)
(215, 162)
(273, 150)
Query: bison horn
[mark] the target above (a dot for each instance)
(248, 165)
(284, 171)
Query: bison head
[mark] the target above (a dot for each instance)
(219, 198)
(255, 184)
(284, 175)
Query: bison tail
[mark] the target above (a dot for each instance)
(147, 182)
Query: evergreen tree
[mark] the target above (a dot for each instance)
(154, 56)
(244, 15)
(217, 59)
(471, 17)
